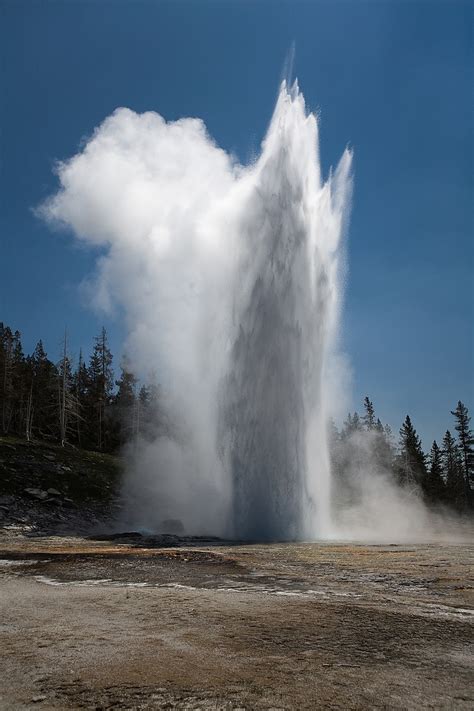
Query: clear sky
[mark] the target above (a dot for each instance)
(391, 78)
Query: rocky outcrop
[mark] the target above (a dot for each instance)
(47, 489)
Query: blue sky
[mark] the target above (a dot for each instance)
(393, 79)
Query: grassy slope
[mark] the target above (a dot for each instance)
(83, 476)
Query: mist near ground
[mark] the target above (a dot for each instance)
(370, 504)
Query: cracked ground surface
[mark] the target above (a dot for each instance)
(101, 624)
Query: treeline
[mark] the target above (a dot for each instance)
(81, 405)
(84, 405)
(444, 475)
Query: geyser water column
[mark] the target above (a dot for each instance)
(229, 281)
(286, 302)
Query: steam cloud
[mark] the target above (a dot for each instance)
(229, 279)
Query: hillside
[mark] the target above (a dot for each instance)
(45, 487)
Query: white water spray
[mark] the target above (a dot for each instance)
(286, 303)
(230, 281)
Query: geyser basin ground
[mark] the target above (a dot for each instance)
(127, 625)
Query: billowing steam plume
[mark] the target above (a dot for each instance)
(229, 280)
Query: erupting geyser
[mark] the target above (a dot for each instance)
(229, 278)
(285, 311)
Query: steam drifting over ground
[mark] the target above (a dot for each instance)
(371, 506)
(229, 278)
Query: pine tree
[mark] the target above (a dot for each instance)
(452, 470)
(335, 450)
(126, 406)
(6, 379)
(29, 403)
(44, 394)
(352, 424)
(382, 453)
(19, 382)
(67, 400)
(382, 449)
(150, 422)
(411, 459)
(101, 379)
(369, 417)
(80, 387)
(466, 445)
(144, 397)
(433, 486)
(12, 385)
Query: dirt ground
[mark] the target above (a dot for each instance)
(130, 624)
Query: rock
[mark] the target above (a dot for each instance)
(50, 457)
(53, 492)
(126, 536)
(171, 525)
(38, 699)
(36, 493)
